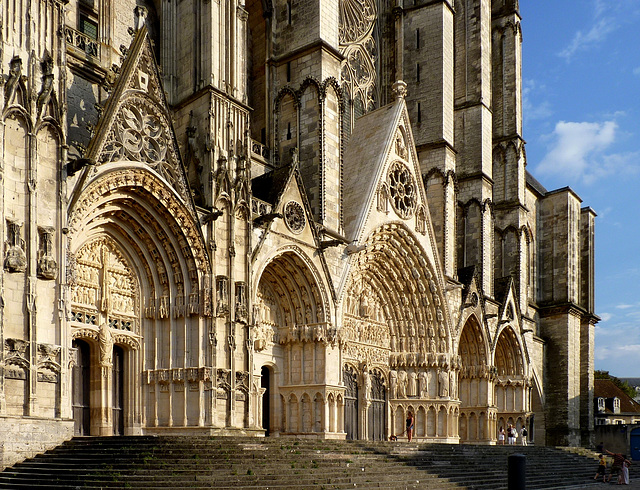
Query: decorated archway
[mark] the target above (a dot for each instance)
(395, 319)
(290, 314)
(512, 386)
(138, 273)
(477, 413)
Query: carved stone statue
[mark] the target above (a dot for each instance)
(412, 383)
(106, 345)
(423, 384)
(443, 379)
(366, 377)
(452, 384)
(402, 384)
(393, 383)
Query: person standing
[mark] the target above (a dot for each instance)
(602, 468)
(511, 434)
(616, 467)
(501, 436)
(523, 435)
(410, 422)
(624, 476)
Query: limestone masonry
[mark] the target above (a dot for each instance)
(282, 217)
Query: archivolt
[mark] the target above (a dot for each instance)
(394, 287)
(291, 286)
(157, 233)
(508, 357)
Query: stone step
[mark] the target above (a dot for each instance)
(216, 462)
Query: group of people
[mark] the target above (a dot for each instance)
(512, 435)
(619, 467)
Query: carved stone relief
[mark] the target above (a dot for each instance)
(106, 288)
(15, 259)
(47, 266)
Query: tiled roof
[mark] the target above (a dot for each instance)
(604, 388)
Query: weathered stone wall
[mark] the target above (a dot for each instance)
(26, 437)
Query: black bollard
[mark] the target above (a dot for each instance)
(517, 472)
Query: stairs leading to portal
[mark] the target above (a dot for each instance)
(286, 463)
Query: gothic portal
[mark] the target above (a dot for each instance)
(280, 218)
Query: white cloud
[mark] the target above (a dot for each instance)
(636, 71)
(577, 151)
(606, 316)
(630, 348)
(531, 112)
(624, 306)
(584, 40)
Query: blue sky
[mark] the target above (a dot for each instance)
(581, 106)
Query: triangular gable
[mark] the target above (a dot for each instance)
(136, 122)
(472, 295)
(283, 189)
(509, 309)
(381, 159)
(382, 178)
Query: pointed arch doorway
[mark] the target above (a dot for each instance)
(87, 374)
(265, 383)
(377, 411)
(117, 399)
(351, 403)
(81, 404)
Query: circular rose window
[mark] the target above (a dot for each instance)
(294, 216)
(402, 189)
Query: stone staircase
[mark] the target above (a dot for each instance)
(286, 463)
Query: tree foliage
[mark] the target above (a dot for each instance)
(623, 385)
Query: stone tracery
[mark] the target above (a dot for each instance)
(358, 46)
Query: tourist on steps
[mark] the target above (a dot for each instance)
(602, 468)
(409, 426)
(624, 476)
(523, 435)
(501, 436)
(616, 467)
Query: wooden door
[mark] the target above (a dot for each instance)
(81, 383)
(351, 403)
(378, 408)
(118, 391)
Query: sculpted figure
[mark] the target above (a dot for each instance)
(412, 383)
(452, 384)
(402, 384)
(367, 384)
(423, 384)
(393, 383)
(444, 383)
(106, 344)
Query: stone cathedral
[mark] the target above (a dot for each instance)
(282, 217)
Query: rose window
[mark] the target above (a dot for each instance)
(294, 216)
(402, 189)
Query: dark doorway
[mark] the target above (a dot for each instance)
(118, 391)
(265, 382)
(378, 408)
(351, 403)
(81, 406)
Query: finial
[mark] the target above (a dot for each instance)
(141, 16)
(399, 89)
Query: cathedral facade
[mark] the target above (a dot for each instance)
(282, 217)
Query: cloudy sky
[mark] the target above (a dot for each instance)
(581, 83)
